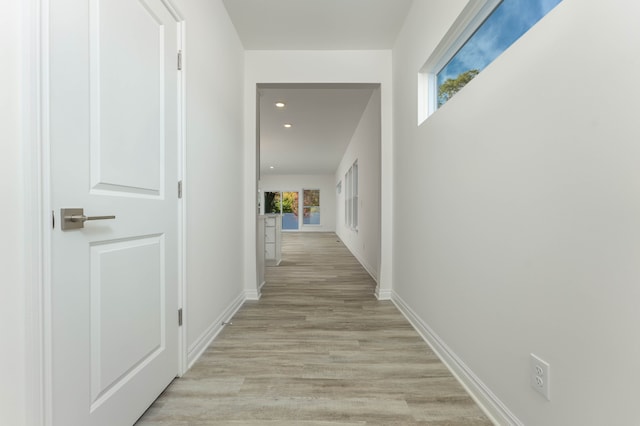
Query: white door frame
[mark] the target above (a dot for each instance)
(38, 212)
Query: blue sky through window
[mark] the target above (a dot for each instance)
(509, 20)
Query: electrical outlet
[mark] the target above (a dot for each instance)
(540, 376)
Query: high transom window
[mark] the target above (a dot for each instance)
(485, 29)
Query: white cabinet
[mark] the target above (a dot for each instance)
(272, 239)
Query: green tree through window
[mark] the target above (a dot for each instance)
(505, 24)
(452, 85)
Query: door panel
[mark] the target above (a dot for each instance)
(133, 268)
(114, 146)
(127, 99)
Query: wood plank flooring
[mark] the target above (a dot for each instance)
(317, 349)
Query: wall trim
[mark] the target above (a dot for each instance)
(481, 394)
(182, 203)
(383, 294)
(252, 294)
(360, 260)
(366, 266)
(37, 204)
(202, 343)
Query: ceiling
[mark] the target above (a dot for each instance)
(323, 117)
(317, 24)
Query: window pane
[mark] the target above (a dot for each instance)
(311, 212)
(347, 198)
(311, 216)
(354, 221)
(311, 197)
(507, 23)
(355, 179)
(272, 202)
(290, 210)
(354, 225)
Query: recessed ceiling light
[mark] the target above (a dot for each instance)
(288, 126)
(281, 104)
(271, 167)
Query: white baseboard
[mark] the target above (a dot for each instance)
(360, 259)
(487, 400)
(253, 294)
(196, 350)
(369, 269)
(383, 294)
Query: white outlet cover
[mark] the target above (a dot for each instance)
(540, 375)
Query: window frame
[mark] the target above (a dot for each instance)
(470, 19)
(281, 213)
(351, 197)
(304, 206)
(354, 197)
(347, 198)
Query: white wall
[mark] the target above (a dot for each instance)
(324, 183)
(365, 148)
(517, 214)
(214, 63)
(318, 67)
(13, 314)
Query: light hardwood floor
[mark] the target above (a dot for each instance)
(317, 349)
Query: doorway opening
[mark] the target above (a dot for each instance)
(308, 138)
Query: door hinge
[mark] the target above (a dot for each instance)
(53, 219)
(180, 317)
(179, 189)
(179, 60)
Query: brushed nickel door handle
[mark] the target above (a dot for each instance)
(82, 218)
(74, 218)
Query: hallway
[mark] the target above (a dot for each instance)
(317, 349)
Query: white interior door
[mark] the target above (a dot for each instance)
(114, 150)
